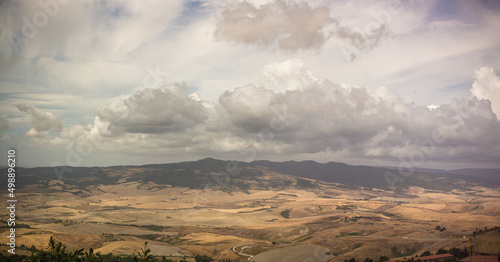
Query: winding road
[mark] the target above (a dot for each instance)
(241, 253)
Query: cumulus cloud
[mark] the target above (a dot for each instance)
(372, 123)
(285, 25)
(314, 118)
(248, 107)
(42, 121)
(287, 75)
(322, 116)
(154, 111)
(487, 86)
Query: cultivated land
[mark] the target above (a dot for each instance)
(271, 217)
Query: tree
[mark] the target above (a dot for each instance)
(426, 253)
(56, 252)
(384, 258)
(90, 256)
(144, 254)
(457, 253)
(12, 258)
(441, 251)
(203, 258)
(285, 213)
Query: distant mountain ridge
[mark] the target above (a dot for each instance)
(479, 172)
(234, 175)
(490, 173)
(377, 177)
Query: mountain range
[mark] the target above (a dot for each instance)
(264, 175)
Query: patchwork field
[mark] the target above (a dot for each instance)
(327, 223)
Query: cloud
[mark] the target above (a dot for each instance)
(487, 86)
(90, 30)
(42, 121)
(248, 107)
(287, 75)
(281, 24)
(306, 117)
(375, 123)
(359, 42)
(293, 26)
(4, 124)
(154, 111)
(321, 116)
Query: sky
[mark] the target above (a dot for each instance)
(387, 83)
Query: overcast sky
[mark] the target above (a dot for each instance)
(99, 83)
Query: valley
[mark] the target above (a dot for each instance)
(259, 214)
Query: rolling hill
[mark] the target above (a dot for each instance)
(232, 175)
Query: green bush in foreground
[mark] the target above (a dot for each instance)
(56, 252)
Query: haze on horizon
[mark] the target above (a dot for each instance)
(100, 83)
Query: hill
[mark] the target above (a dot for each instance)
(233, 175)
(235, 210)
